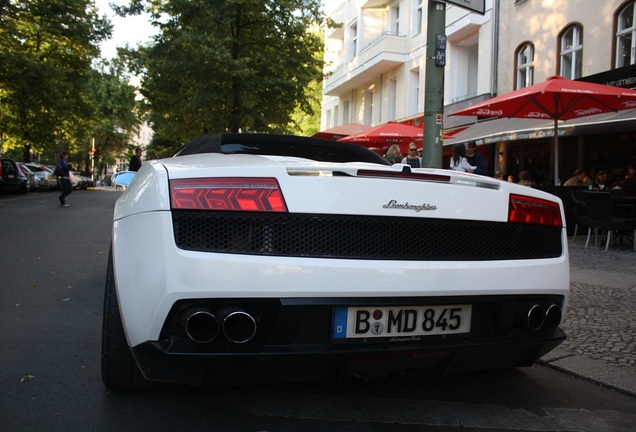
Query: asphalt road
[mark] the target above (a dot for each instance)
(52, 270)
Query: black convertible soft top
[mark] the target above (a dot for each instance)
(281, 145)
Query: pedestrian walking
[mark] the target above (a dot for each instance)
(64, 169)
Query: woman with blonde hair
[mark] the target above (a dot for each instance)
(393, 154)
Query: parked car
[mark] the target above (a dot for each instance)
(31, 183)
(82, 181)
(58, 185)
(76, 180)
(252, 258)
(10, 182)
(45, 178)
(87, 182)
(25, 185)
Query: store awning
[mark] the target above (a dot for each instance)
(511, 129)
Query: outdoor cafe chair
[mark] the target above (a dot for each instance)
(601, 211)
(580, 210)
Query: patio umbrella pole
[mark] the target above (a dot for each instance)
(556, 152)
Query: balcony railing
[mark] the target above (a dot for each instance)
(382, 53)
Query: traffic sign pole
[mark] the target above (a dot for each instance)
(434, 85)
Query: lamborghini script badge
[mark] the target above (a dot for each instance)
(394, 205)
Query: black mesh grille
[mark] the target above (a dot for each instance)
(362, 237)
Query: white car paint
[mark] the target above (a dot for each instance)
(151, 273)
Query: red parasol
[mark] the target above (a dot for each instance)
(556, 98)
(387, 134)
(337, 132)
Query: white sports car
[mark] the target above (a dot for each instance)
(252, 258)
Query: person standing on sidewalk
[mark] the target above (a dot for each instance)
(135, 161)
(476, 159)
(65, 178)
(411, 158)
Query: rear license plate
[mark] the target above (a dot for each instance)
(400, 321)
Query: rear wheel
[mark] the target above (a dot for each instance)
(119, 370)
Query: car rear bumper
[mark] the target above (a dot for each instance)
(329, 363)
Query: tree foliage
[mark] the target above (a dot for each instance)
(117, 113)
(46, 50)
(229, 65)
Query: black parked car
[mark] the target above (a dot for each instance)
(9, 179)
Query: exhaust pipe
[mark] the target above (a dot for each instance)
(530, 316)
(238, 326)
(200, 325)
(552, 316)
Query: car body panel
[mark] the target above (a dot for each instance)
(10, 181)
(471, 190)
(150, 281)
(45, 177)
(29, 175)
(153, 276)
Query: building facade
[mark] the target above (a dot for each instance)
(376, 60)
(375, 73)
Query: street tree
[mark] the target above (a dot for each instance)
(46, 50)
(228, 65)
(117, 117)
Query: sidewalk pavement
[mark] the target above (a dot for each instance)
(600, 322)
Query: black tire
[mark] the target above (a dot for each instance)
(119, 370)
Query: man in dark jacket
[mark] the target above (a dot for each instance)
(475, 158)
(135, 161)
(65, 178)
(629, 185)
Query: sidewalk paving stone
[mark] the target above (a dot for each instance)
(601, 318)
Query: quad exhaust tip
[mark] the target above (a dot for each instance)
(238, 326)
(553, 316)
(203, 326)
(200, 325)
(534, 316)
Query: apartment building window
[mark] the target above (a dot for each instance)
(464, 76)
(328, 119)
(414, 92)
(625, 35)
(571, 52)
(391, 99)
(335, 115)
(346, 108)
(395, 19)
(524, 66)
(368, 107)
(418, 16)
(353, 40)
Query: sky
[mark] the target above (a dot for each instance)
(131, 30)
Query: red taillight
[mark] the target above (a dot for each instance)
(246, 194)
(524, 209)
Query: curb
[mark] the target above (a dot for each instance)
(621, 379)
